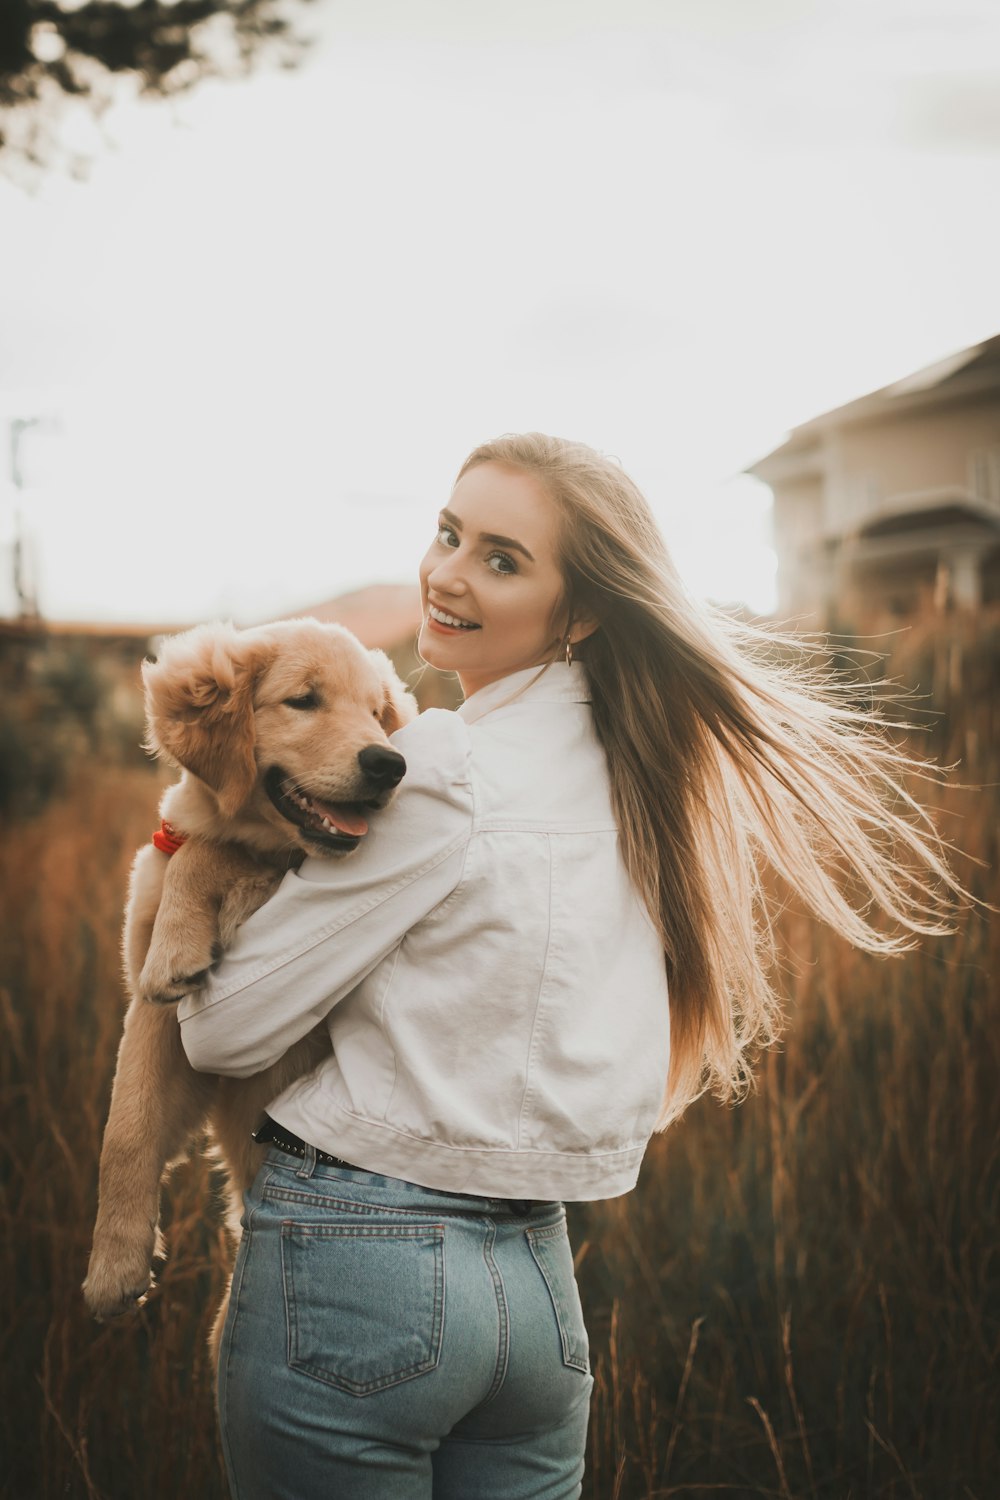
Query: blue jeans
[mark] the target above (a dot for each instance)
(386, 1341)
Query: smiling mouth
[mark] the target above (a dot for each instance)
(336, 826)
(450, 621)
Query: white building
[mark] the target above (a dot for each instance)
(893, 501)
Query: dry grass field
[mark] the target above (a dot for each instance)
(800, 1299)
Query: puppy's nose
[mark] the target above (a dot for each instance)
(384, 767)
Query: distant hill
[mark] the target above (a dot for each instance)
(384, 614)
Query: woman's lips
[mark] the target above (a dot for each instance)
(440, 629)
(443, 628)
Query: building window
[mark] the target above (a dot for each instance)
(865, 496)
(984, 474)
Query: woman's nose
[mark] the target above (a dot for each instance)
(448, 576)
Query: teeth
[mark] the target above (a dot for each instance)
(445, 619)
(319, 820)
(301, 800)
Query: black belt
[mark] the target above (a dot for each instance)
(270, 1133)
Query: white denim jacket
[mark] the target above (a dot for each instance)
(495, 990)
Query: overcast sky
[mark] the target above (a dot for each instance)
(274, 318)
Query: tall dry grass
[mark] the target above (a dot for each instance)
(800, 1299)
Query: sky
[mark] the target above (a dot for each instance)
(264, 329)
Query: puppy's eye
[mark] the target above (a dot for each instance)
(306, 700)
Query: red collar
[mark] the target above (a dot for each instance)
(167, 839)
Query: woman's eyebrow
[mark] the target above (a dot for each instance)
(489, 536)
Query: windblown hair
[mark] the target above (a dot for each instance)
(728, 752)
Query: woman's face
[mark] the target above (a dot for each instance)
(490, 584)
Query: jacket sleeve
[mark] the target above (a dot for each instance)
(333, 920)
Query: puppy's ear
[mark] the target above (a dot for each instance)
(199, 709)
(398, 705)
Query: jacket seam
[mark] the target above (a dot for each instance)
(541, 825)
(388, 985)
(418, 1140)
(381, 1022)
(452, 895)
(526, 1095)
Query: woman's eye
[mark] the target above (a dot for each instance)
(446, 536)
(506, 564)
(304, 700)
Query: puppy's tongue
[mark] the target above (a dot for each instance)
(344, 818)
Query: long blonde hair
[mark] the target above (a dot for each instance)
(728, 752)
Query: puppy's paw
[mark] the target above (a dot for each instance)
(168, 976)
(119, 1278)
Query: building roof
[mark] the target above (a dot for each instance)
(968, 372)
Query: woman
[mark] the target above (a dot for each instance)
(582, 839)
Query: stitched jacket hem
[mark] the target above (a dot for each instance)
(488, 1173)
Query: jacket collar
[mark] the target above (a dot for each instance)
(555, 683)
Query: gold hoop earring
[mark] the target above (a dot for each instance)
(569, 652)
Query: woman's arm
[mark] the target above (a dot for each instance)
(332, 921)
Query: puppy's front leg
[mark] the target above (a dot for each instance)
(157, 1102)
(208, 889)
(185, 940)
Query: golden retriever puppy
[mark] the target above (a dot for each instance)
(281, 735)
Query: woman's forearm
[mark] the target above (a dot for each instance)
(294, 960)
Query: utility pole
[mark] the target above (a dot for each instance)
(24, 589)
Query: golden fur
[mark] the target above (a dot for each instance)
(227, 708)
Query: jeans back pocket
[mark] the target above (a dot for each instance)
(364, 1303)
(551, 1249)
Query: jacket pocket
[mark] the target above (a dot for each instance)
(364, 1303)
(551, 1249)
